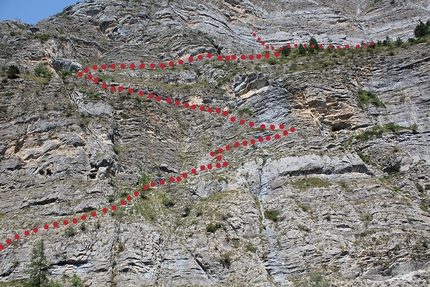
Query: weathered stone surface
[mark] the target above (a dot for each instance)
(324, 200)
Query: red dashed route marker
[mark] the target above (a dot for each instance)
(218, 111)
(105, 210)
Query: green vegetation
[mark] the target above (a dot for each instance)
(76, 281)
(422, 29)
(302, 50)
(12, 72)
(226, 259)
(315, 46)
(310, 182)
(249, 247)
(363, 157)
(424, 208)
(212, 227)
(376, 131)
(144, 179)
(42, 71)
(64, 74)
(366, 97)
(70, 231)
(39, 80)
(317, 280)
(272, 215)
(42, 37)
(38, 269)
(245, 112)
(167, 201)
(285, 51)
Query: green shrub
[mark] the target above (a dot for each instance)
(226, 259)
(302, 50)
(42, 37)
(313, 41)
(362, 156)
(245, 112)
(212, 227)
(421, 30)
(12, 72)
(42, 71)
(168, 202)
(285, 52)
(76, 281)
(272, 215)
(38, 267)
(398, 42)
(64, 74)
(70, 231)
(419, 187)
(368, 134)
(251, 248)
(393, 127)
(272, 61)
(366, 97)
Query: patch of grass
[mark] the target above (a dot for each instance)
(366, 97)
(424, 208)
(345, 186)
(393, 127)
(317, 280)
(367, 217)
(168, 202)
(419, 187)
(70, 231)
(249, 247)
(272, 215)
(310, 182)
(303, 228)
(39, 80)
(245, 112)
(363, 157)
(213, 227)
(376, 131)
(121, 247)
(305, 208)
(226, 259)
(42, 37)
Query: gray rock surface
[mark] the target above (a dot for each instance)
(344, 200)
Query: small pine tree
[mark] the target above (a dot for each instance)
(314, 42)
(12, 72)
(399, 41)
(421, 30)
(285, 51)
(37, 267)
(76, 281)
(302, 50)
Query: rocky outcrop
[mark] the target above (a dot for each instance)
(343, 200)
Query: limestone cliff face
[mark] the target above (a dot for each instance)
(344, 200)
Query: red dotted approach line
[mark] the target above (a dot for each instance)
(312, 46)
(112, 208)
(186, 105)
(177, 103)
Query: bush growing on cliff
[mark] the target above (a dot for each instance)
(422, 29)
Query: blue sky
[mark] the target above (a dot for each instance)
(32, 11)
